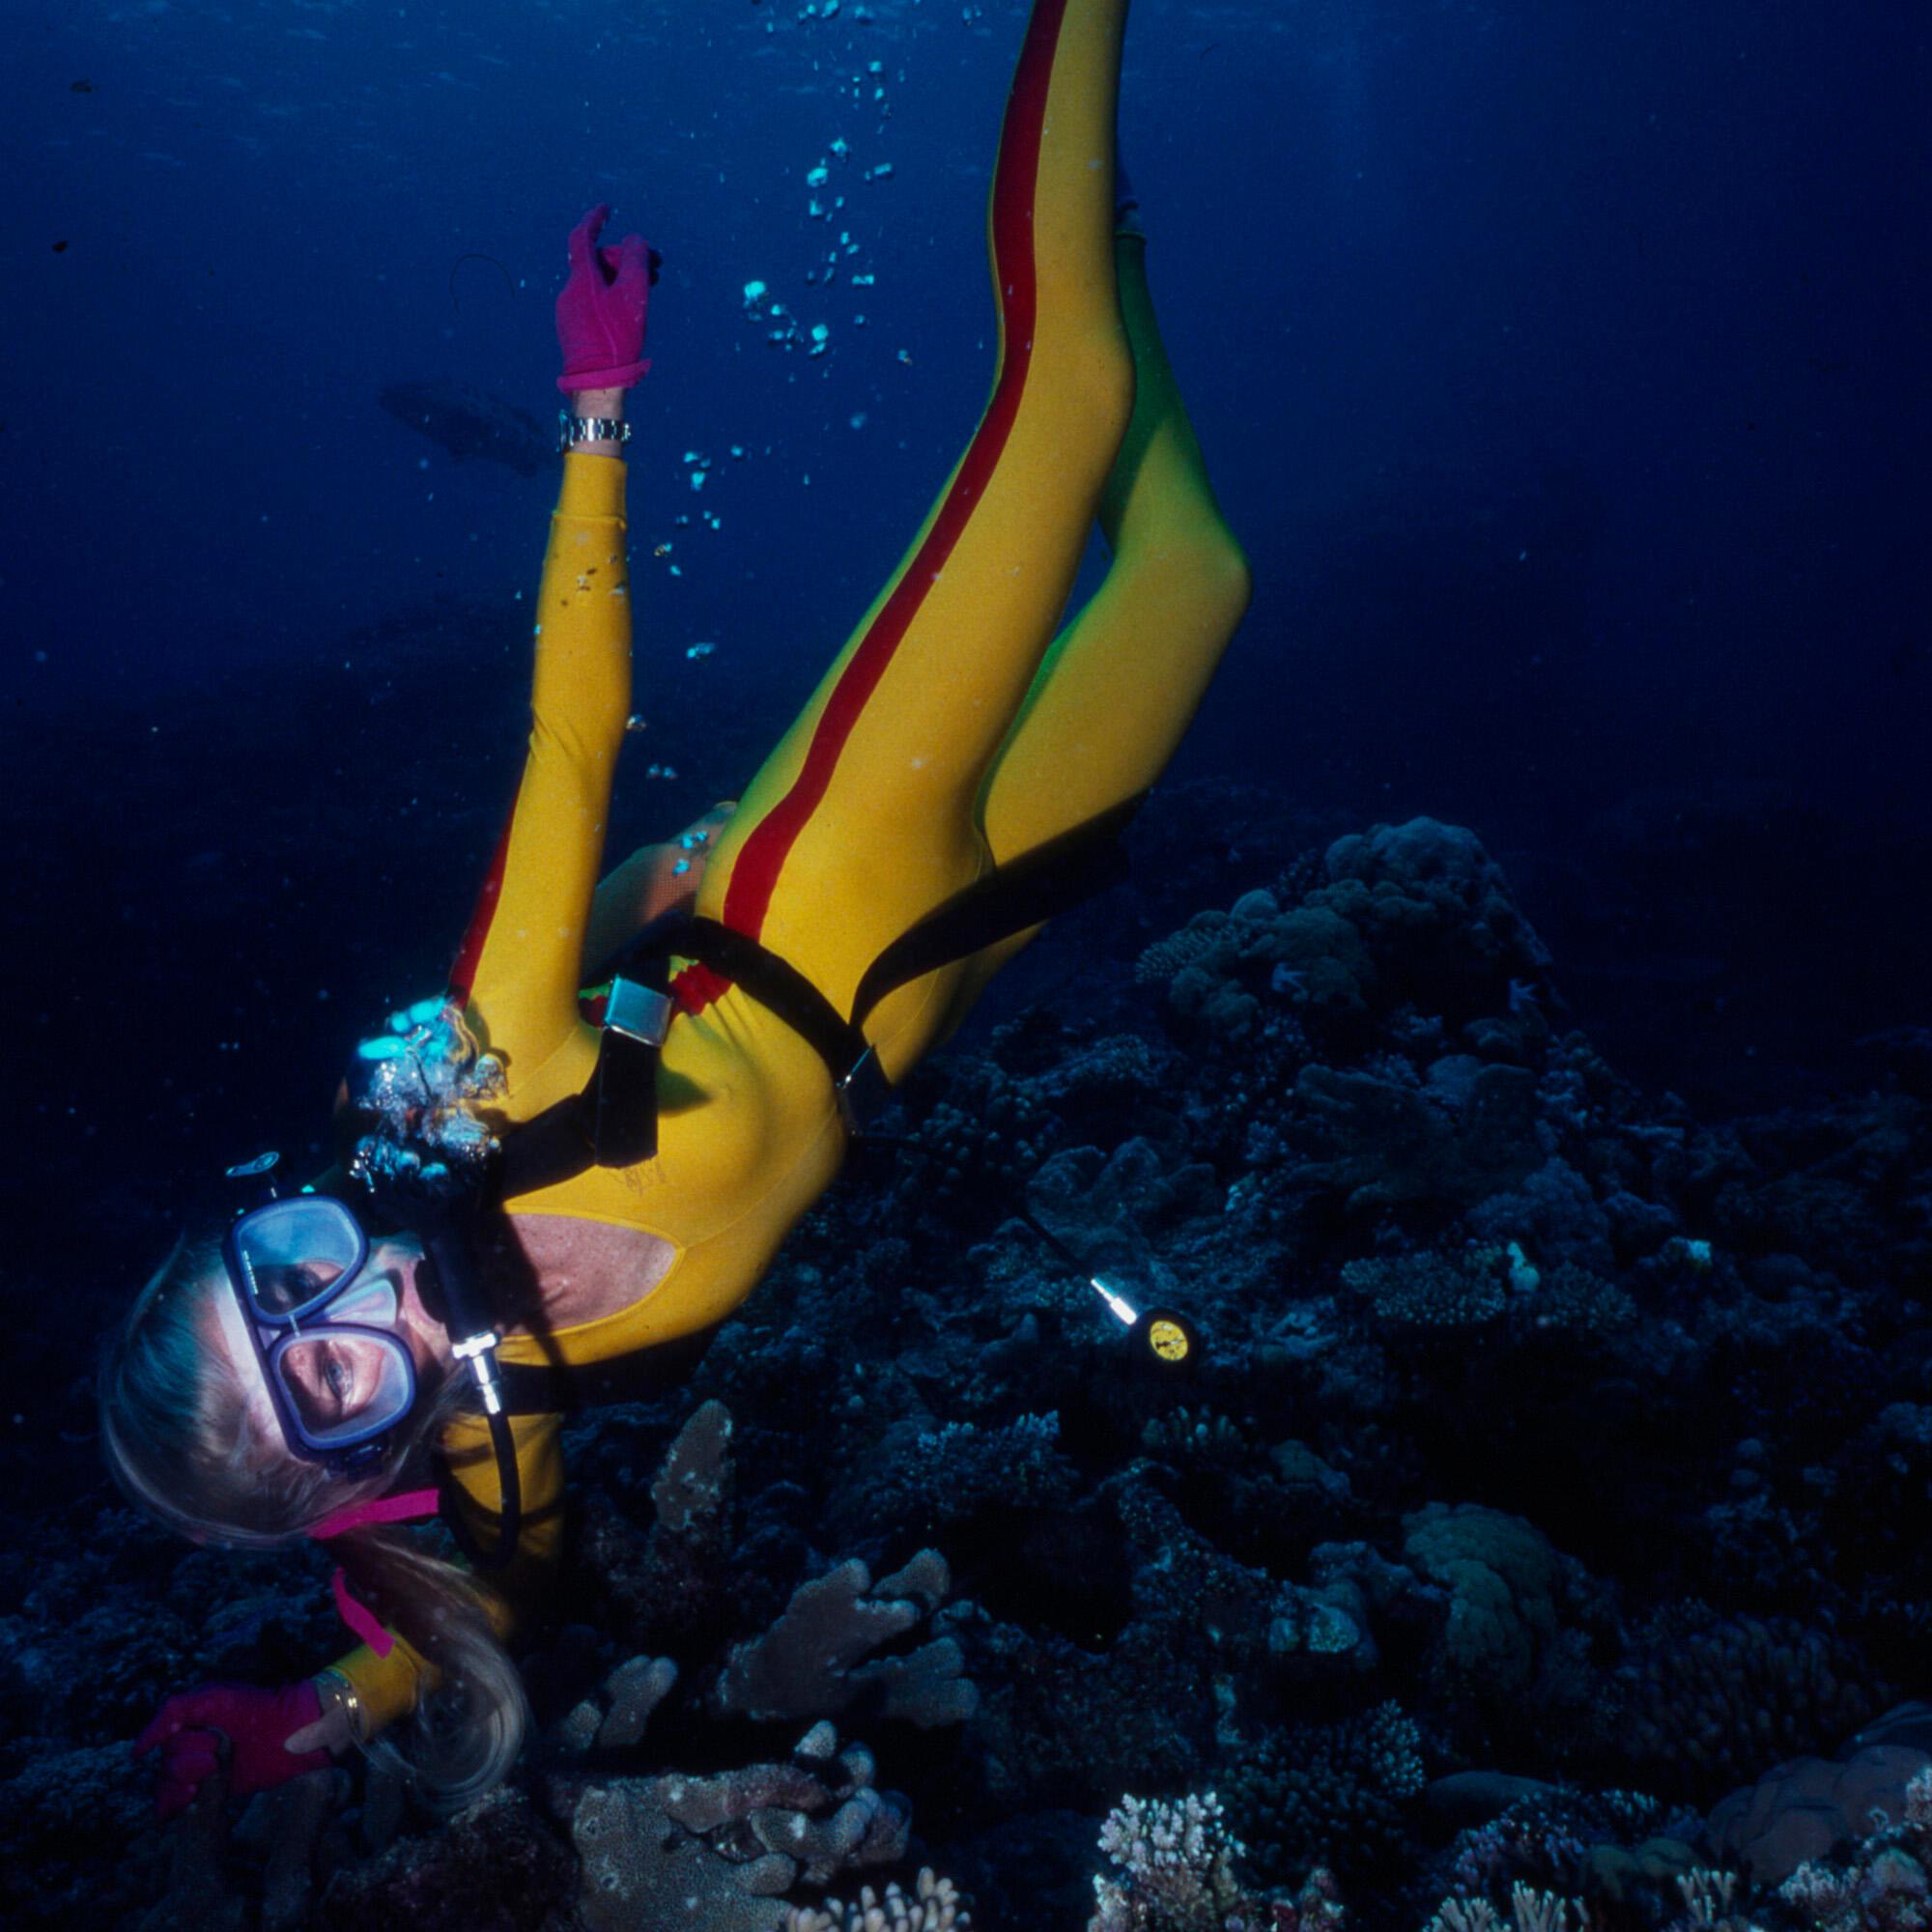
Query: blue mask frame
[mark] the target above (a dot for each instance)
(351, 1453)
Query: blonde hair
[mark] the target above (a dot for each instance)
(184, 1436)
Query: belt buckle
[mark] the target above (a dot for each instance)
(638, 1012)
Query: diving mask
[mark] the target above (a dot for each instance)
(339, 1374)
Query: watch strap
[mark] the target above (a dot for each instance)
(573, 430)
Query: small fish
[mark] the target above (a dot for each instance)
(471, 424)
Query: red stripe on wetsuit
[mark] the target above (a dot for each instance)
(756, 873)
(463, 975)
(1015, 182)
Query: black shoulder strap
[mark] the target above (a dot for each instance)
(1052, 878)
(645, 953)
(780, 988)
(614, 1121)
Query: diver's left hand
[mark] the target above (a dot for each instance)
(651, 881)
(672, 874)
(680, 865)
(269, 1736)
(697, 838)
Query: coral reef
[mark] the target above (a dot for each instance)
(932, 1906)
(1334, 1795)
(1706, 1709)
(719, 1853)
(1174, 1870)
(1553, 1464)
(817, 1659)
(1801, 1809)
(1884, 1886)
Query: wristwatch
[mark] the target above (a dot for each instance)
(571, 430)
(341, 1709)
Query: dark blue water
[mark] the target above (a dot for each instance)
(1560, 374)
(1638, 296)
(1561, 370)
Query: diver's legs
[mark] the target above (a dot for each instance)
(1122, 681)
(865, 816)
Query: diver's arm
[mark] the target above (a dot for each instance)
(364, 1693)
(518, 970)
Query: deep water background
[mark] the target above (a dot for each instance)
(1561, 370)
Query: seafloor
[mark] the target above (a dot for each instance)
(1556, 1466)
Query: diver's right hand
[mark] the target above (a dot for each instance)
(263, 1728)
(602, 312)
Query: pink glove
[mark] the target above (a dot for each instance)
(600, 315)
(258, 1726)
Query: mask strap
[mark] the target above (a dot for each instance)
(358, 1616)
(412, 1506)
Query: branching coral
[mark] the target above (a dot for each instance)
(1429, 1291)
(1710, 1711)
(719, 1853)
(614, 1720)
(1159, 962)
(1334, 1793)
(1176, 1866)
(1530, 1911)
(933, 1907)
(986, 1128)
(1175, 1871)
(1578, 1305)
(817, 1659)
(961, 1469)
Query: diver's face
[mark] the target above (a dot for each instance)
(334, 1376)
(337, 1373)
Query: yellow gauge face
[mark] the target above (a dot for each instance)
(1168, 1340)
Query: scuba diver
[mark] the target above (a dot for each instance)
(534, 1188)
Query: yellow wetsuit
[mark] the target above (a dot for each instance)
(954, 731)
